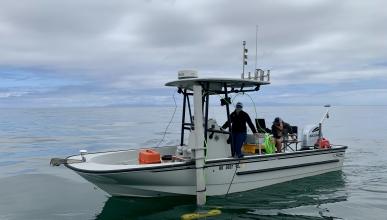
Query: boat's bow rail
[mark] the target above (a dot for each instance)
(123, 160)
(121, 157)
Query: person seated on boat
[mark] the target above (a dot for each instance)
(279, 129)
(238, 119)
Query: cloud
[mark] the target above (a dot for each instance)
(12, 94)
(105, 49)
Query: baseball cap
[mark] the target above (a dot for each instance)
(277, 120)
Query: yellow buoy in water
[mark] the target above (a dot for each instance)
(198, 215)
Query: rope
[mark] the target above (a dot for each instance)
(170, 121)
(255, 110)
(258, 127)
(232, 180)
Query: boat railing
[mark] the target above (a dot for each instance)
(213, 131)
(188, 126)
(290, 144)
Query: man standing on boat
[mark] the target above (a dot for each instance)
(238, 119)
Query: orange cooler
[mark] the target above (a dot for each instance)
(149, 156)
(249, 148)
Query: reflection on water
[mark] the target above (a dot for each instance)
(275, 201)
(131, 208)
(315, 190)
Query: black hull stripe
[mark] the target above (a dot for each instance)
(287, 167)
(259, 158)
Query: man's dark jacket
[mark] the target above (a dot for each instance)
(238, 122)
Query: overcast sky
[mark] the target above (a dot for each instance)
(98, 53)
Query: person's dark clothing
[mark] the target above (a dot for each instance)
(238, 138)
(238, 122)
(239, 130)
(278, 133)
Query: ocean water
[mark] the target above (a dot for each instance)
(31, 189)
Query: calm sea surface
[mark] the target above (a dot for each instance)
(31, 189)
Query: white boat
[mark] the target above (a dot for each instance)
(203, 164)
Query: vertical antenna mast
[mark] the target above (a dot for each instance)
(256, 46)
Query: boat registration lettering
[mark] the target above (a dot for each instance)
(228, 166)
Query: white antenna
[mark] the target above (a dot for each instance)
(256, 46)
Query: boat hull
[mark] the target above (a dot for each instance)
(222, 176)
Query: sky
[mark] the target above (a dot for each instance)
(115, 53)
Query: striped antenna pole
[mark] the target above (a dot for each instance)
(244, 58)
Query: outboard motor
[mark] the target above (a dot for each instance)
(310, 136)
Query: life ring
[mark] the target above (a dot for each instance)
(197, 215)
(323, 143)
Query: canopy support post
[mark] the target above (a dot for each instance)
(229, 119)
(199, 146)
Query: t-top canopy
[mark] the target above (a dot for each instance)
(217, 84)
